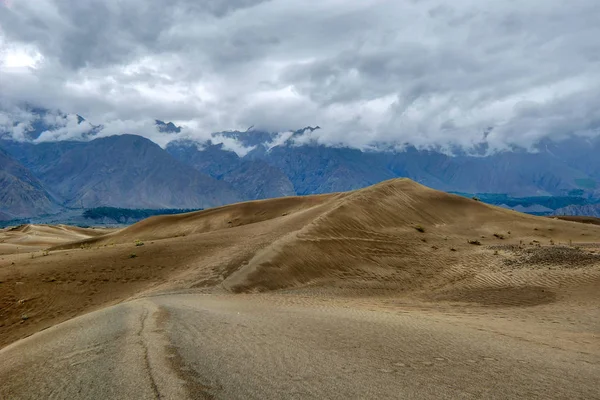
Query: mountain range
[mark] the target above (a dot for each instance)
(129, 171)
(21, 193)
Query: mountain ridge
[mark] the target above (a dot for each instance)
(275, 164)
(21, 193)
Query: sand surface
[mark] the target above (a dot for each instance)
(393, 291)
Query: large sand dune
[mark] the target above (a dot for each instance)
(393, 246)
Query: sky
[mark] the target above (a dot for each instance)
(370, 73)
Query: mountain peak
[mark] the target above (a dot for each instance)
(167, 127)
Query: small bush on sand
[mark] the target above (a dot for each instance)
(499, 235)
(139, 243)
(474, 242)
(132, 255)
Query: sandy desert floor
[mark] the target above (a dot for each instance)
(393, 291)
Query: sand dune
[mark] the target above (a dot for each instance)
(400, 237)
(28, 238)
(397, 239)
(488, 302)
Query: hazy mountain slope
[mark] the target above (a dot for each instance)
(590, 210)
(122, 171)
(554, 169)
(580, 153)
(320, 169)
(253, 179)
(258, 180)
(21, 194)
(515, 173)
(211, 159)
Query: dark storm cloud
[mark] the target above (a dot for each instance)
(427, 72)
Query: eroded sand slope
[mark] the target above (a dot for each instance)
(397, 238)
(378, 282)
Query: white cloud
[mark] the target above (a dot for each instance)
(429, 72)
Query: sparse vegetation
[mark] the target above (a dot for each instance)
(551, 202)
(132, 255)
(139, 243)
(499, 236)
(420, 228)
(474, 242)
(564, 256)
(452, 249)
(125, 215)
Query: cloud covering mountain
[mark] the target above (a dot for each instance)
(426, 72)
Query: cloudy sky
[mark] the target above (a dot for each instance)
(377, 71)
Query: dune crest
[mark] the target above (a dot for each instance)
(397, 238)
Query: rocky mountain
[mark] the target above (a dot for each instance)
(253, 179)
(590, 210)
(43, 124)
(121, 171)
(516, 173)
(167, 127)
(320, 169)
(21, 194)
(257, 180)
(130, 171)
(210, 159)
